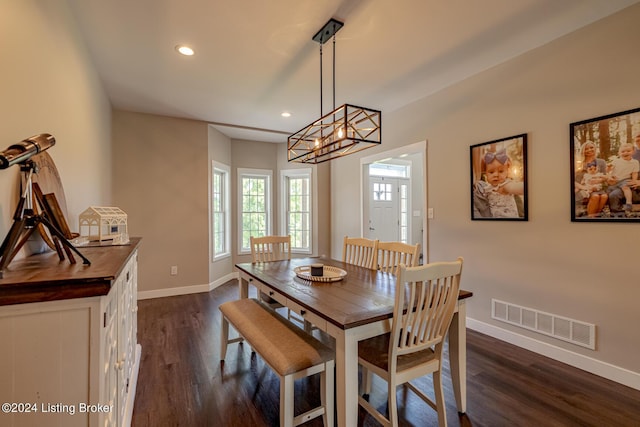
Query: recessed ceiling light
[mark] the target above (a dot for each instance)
(185, 50)
(286, 114)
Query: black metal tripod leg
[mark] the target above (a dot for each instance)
(64, 240)
(7, 251)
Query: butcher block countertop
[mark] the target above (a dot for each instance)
(43, 277)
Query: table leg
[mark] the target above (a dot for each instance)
(458, 356)
(346, 378)
(243, 287)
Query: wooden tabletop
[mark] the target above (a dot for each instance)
(363, 296)
(43, 277)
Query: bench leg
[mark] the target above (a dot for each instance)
(224, 337)
(286, 401)
(327, 379)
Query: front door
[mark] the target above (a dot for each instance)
(384, 209)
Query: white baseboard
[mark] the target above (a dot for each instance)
(185, 290)
(606, 370)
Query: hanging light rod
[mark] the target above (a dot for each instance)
(345, 130)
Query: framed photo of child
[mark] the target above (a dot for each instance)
(605, 168)
(499, 179)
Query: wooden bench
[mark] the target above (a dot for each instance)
(287, 349)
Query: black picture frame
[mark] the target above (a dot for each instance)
(599, 150)
(499, 184)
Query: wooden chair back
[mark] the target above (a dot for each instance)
(392, 254)
(360, 251)
(270, 248)
(432, 290)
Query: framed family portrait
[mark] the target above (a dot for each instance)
(605, 168)
(499, 179)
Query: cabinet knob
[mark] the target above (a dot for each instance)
(270, 293)
(303, 312)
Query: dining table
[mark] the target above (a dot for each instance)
(352, 305)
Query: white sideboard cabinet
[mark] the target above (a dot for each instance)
(69, 354)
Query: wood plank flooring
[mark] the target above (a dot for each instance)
(181, 381)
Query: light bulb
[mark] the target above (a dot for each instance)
(185, 50)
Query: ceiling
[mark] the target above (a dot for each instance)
(256, 59)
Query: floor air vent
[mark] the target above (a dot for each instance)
(562, 328)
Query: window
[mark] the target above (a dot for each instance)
(254, 200)
(296, 198)
(390, 170)
(382, 192)
(220, 211)
(404, 213)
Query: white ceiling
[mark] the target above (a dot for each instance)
(255, 58)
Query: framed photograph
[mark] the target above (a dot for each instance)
(605, 168)
(499, 179)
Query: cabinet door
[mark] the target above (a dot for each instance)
(128, 316)
(127, 331)
(123, 338)
(110, 361)
(45, 361)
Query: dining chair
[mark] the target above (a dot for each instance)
(425, 300)
(360, 251)
(274, 248)
(270, 248)
(267, 249)
(392, 254)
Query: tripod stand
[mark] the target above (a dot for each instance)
(26, 221)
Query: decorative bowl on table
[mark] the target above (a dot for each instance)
(330, 273)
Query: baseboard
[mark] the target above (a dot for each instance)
(606, 370)
(185, 290)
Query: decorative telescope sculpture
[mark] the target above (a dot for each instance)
(22, 151)
(25, 220)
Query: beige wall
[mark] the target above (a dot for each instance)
(583, 271)
(220, 152)
(48, 85)
(160, 179)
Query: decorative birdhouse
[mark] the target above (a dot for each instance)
(104, 223)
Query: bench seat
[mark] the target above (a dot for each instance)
(288, 350)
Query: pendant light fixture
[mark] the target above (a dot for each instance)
(345, 130)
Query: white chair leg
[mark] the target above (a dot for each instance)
(440, 406)
(286, 401)
(393, 404)
(366, 381)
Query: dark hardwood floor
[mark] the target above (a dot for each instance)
(181, 381)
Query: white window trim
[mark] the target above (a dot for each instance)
(284, 191)
(261, 173)
(226, 170)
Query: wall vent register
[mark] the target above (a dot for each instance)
(562, 328)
